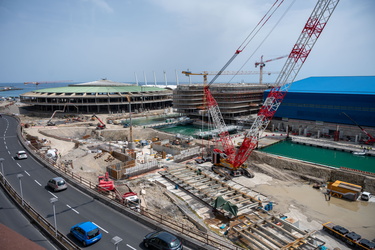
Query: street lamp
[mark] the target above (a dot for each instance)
(53, 200)
(115, 240)
(19, 176)
(2, 167)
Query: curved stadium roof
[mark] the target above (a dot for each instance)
(100, 86)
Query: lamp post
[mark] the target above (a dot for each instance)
(2, 167)
(53, 200)
(19, 176)
(115, 240)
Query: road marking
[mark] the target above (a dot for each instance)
(100, 228)
(131, 247)
(38, 183)
(53, 194)
(27, 173)
(19, 165)
(6, 146)
(72, 208)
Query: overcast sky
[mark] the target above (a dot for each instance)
(85, 40)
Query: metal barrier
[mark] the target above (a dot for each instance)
(59, 238)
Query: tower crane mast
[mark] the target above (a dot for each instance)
(301, 50)
(262, 64)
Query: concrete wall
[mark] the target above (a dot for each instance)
(313, 170)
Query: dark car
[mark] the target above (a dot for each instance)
(367, 243)
(199, 161)
(162, 240)
(340, 229)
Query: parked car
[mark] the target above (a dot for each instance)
(57, 184)
(21, 155)
(86, 232)
(162, 240)
(199, 161)
(365, 196)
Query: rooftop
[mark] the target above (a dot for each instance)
(336, 85)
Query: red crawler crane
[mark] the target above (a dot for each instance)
(234, 161)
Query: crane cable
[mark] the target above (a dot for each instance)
(250, 37)
(269, 33)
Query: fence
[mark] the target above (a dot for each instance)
(59, 238)
(157, 219)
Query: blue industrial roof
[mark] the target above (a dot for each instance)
(336, 85)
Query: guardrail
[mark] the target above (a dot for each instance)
(63, 241)
(205, 240)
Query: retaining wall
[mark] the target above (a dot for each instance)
(321, 172)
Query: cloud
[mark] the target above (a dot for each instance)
(102, 4)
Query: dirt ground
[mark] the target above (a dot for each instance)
(293, 197)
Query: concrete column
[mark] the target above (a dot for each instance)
(318, 134)
(356, 139)
(305, 131)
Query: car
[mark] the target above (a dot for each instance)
(86, 232)
(57, 184)
(162, 240)
(21, 155)
(199, 161)
(365, 196)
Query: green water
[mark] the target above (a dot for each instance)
(322, 156)
(150, 120)
(188, 130)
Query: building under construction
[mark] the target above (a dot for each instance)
(236, 101)
(102, 96)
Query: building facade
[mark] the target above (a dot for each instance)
(329, 104)
(236, 101)
(103, 96)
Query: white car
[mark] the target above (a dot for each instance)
(21, 155)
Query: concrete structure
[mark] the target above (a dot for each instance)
(315, 105)
(236, 101)
(102, 96)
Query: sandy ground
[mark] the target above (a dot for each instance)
(292, 197)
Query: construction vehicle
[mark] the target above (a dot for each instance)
(233, 160)
(353, 239)
(344, 190)
(49, 122)
(371, 139)
(129, 198)
(100, 125)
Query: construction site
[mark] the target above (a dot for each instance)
(221, 185)
(154, 173)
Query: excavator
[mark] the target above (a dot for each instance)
(101, 124)
(231, 162)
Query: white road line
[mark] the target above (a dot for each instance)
(131, 247)
(6, 146)
(72, 208)
(53, 194)
(100, 228)
(27, 173)
(19, 165)
(38, 183)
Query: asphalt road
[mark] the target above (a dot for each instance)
(72, 206)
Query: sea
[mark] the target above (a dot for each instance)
(21, 88)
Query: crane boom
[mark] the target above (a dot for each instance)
(301, 50)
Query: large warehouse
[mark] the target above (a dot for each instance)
(102, 96)
(330, 103)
